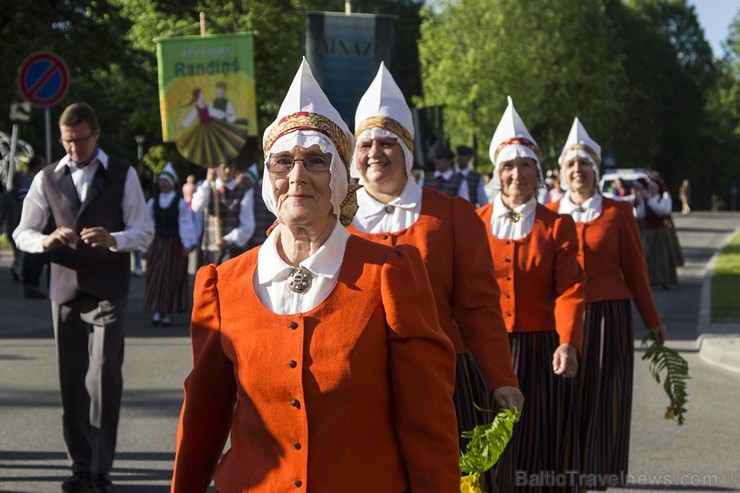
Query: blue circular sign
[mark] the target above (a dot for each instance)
(43, 79)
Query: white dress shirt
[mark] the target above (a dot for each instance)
(137, 232)
(400, 213)
(480, 194)
(271, 276)
(185, 220)
(240, 235)
(584, 213)
(447, 175)
(503, 227)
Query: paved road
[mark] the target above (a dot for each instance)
(704, 453)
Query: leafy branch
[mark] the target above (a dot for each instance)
(676, 368)
(487, 443)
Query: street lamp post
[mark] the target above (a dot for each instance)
(140, 146)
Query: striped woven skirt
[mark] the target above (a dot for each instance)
(544, 452)
(166, 276)
(660, 255)
(677, 251)
(605, 392)
(470, 391)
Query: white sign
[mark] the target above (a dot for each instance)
(20, 112)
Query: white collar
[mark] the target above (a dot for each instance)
(167, 196)
(409, 198)
(230, 185)
(526, 210)
(464, 171)
(102, 158)
(325, 262)
(595, 203)
(446, 175)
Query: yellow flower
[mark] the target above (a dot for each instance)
(670, 413)
(469, 484)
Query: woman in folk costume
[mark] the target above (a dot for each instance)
(657, 237)
(167, 256)
(395, 210)
(535, 255)
(316, 350)
(610, 254)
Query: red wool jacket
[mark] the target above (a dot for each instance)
(451, 240)
(354, 395)
(539, 276)
(611, 255)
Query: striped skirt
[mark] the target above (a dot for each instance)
(470, 391)
(677, 251)
(544, 453)
(166, 276)
(660, 255)
(605, 392)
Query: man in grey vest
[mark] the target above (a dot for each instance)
(476, 191)
(100, 215)
(445, 179)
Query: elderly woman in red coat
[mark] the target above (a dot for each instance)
(611, 255)
(317, 350)
(535, 254)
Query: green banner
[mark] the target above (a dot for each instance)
(206, 95)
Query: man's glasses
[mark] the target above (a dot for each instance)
(281, 165)
(77, 142)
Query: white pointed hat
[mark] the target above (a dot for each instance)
(581, 144)
(168, 173)
(306, 107)
(512, 139)
(383, 109)
(383, 105)
(306, 117)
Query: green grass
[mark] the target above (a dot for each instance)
(726, 284)
(4, 245)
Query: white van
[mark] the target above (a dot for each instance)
(627, 175)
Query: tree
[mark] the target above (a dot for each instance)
(550, 56)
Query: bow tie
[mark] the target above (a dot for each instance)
(87, 161)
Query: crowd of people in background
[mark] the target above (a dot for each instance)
(523, 299)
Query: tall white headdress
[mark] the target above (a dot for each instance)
(383, 112)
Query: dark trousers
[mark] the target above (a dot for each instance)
(89, 338)
(32, 265)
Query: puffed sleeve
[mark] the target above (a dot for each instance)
(476, 303)
(422, 367)
(568, 280)
(210, 393)
(634, 268)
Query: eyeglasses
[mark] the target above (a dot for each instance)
(77, 142)
(281, 165)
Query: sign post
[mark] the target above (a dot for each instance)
(43, 80)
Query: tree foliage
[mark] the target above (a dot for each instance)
(638, 73)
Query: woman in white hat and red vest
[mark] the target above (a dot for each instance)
(315, 351)
(167, 257)
(395, 210)
(611, 255)
(535, 256)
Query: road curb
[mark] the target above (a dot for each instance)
(721, 350)
(719, 344)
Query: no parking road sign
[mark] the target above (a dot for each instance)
(43, 79)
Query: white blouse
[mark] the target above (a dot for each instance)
(185, 219)
(400, 213)
(271, 276)
(502, 225)
(584, 213)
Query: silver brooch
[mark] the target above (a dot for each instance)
(388, 208)
(299, 280)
